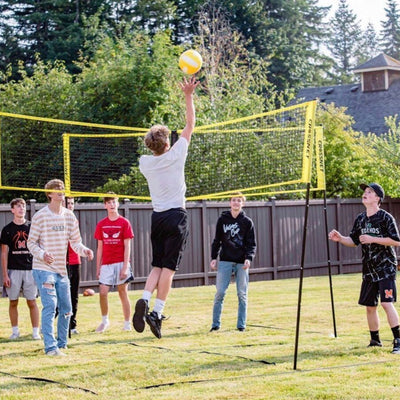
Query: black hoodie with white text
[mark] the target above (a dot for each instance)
(234, 238)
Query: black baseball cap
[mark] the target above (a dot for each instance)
(378, 189)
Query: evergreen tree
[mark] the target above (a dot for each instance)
(390, 34)
(285, 33)
(154, 16)
(370, 46)
(344, 42)
(294, 36)
(51, 28)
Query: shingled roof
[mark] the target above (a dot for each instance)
(382, 61)
(368, 109)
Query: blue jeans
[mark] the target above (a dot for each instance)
(224, 273)
(54, 292)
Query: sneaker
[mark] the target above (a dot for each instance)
(36, 336)
(55, 352)
(14, 336)
(214, 328)
(374, 343)
(127, 327)
(154, 323)
(241, 329)
(139, 318)
(102, 327)
(396, 346)
(74, 331)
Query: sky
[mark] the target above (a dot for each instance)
(366, 10)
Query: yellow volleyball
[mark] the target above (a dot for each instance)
(190, 62)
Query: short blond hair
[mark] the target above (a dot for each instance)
(156, 138)
(238, 194)
(55, 184)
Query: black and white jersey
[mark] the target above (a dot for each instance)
(379, 262)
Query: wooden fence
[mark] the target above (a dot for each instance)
(279, 232)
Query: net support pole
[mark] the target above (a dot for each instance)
(303, 252)
(329, 265)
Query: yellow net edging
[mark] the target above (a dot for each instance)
(276, 152)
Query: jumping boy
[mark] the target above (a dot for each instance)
(376, 231)
(164, 172)
(16, 261)
(235, 244)
(52, 228)
(114, 234)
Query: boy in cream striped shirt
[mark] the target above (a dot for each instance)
(51, 229)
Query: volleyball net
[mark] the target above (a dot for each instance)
(276, 152)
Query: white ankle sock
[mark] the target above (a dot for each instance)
(146, 296)
(159, 307)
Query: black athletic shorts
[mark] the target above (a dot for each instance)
(371, 291)
(169, 231)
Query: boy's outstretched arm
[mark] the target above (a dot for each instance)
(188, 87)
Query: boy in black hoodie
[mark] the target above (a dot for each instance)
(235, 244)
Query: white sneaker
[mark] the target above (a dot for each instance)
(127, 327)
(55, 352)
(14, 336)
(102, 327)
(74, 331)
(36, 336)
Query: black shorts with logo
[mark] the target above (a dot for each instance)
(169, 231)
(371, 291)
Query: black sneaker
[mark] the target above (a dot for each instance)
(374, 343)
(154, 323)
(241, 329)
(396, 346)
(139, 318)
(214, 328)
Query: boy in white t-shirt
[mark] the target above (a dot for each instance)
(164, 171)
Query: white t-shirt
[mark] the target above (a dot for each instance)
(165, 176)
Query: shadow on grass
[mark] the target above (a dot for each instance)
(43, 381)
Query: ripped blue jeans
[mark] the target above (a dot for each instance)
(54, 292)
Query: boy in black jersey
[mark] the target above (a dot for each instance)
(377, 232)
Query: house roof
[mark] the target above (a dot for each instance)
(380, 62)
(368, 109)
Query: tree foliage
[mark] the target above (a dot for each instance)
(386, 149)
(390, 34)
(344, 42)
(369, 46)
(232, 86)
(115, 62)
(51, 28)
